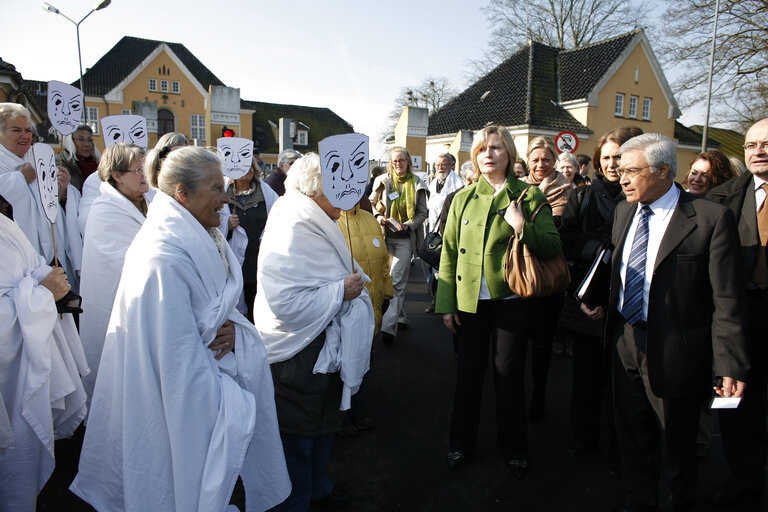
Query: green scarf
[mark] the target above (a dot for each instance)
(403, 209)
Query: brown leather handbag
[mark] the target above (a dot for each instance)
(528, 275)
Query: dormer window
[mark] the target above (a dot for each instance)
(302, 137)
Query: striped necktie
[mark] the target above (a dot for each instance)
(632, 310)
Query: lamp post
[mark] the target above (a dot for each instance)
(101, 5)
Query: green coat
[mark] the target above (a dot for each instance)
(476, 237)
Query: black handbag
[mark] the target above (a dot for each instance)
(431, 248)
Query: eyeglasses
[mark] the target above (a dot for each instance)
(80, 139)
(752, 146)
(137, 171)
(631, 172)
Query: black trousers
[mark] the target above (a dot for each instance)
(588, 384)
(500, 328)
(743, 429)
(657, 436)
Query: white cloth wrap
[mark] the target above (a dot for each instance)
(109, 232)
(436, 199)
(41, 360)
(171, 428)
(303, 261)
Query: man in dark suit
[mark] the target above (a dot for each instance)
(743, 429)
(675, 302)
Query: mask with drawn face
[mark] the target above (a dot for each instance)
(127, 128)
(237, 154)
(344, 161)
(47, 182)
(65, 106)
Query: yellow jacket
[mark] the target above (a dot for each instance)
(370, 251)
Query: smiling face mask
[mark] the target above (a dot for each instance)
(344, 162)
(128, 128)
(47, 179)
(65, 106)
(237, 154)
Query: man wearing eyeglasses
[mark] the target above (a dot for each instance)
(675, 306)
(743, 429)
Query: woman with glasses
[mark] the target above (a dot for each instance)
(79, 155)
(113, 221)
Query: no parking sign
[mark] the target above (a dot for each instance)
(567, 142)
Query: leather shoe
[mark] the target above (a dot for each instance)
(456, 459)
(387, 338)
(730, 493)
(362, 422)
(337, 499)
(518, 467)
(347, 429)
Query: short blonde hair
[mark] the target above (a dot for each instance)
(542, 142)
(118, 157)
(506, 140)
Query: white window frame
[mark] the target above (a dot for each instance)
(633, 107)
(163, 85)
(125, 111)
(618, 109)
(152, 85)
(175, 87)
(647, 109)
(302, 138)
(92, 118)
(197, 127)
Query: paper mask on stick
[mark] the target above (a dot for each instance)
(344, 161)
(127, 128)
(47, 179)
(237, 154)
(65, 106)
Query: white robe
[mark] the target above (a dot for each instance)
(170, 427)
(29, 214)
(41, 360)
(303, 261)
(91, 192)
(436, 199)
(109, 232)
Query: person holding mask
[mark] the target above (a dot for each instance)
(476, 302)
(399, 200)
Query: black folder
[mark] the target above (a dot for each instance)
(593, 290)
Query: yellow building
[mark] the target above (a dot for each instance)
(542, 90)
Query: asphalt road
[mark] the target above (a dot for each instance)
(401, 464)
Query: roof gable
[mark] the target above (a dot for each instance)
(321, 123)
(130, 53)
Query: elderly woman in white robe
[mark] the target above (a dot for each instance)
(117, 215)
(317, 324)
(184, 401)
(41, 360)
(19, 188)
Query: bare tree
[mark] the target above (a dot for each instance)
(740, 75)
(560, 23)
(432, 93)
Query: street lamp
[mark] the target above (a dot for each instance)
(101, 5)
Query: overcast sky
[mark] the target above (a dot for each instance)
(352, 57)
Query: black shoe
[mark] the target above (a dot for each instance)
(402, 326)
(338, 498)
(518, 467)
(387, 338)
(730, 493)
(347, 429)
(456, 459)
(430, 308)
(362, 422)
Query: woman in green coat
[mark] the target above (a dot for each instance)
(476, 302)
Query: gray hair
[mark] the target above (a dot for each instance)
(11, 111)
(657, 149)
(68, 148)
(737, 166)
(187, 167)
(172, 139)
(156, 157)
(118, 157)
(570, 158)
(466, 168)
(451, 159)
(287, 154)
(306, 176)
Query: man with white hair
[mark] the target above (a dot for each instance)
(18, 187)
(675, 306)
(285, 159)
(743, 429)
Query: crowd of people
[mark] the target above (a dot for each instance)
(226, 326)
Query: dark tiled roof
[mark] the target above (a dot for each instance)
(322, 123)
(126, 56)
(685, 135)
(730, 140)
(582, 68)
(8, 69)
(515, 96)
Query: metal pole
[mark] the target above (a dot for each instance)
(705, 132)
